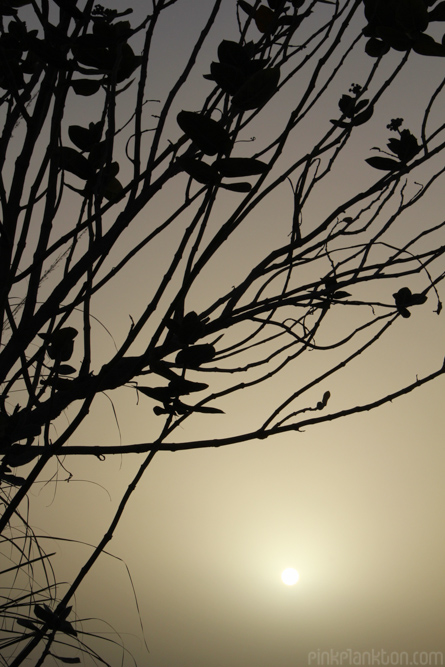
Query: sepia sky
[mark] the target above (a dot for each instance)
(355, 505)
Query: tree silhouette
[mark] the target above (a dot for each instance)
(224, 312)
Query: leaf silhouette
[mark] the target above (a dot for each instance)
(85, 87)
(376, 47)
(85, 137)
(425, 45)
(404, 299)
(340, 295)
(258, 89)
(229, 78)
(53, 620)
(209, 136)
(199, 170)
(237, 187)
(437, 13)
(61, 343)
(246, 8)
(25, 623)
(383, 163)
(113, 189)
(233, 53)
(74, 162)
(194, 356)
(187, 329)
(161, 394)
(264, 18)
(406, 147)
(233, 167)
(364, 116)
(180, 386)
(19, 455)
(322, 404)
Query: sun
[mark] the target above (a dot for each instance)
(289, 576)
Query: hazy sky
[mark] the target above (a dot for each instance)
(356, 506)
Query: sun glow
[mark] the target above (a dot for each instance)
(289, 576)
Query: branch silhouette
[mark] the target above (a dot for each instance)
(219, 197)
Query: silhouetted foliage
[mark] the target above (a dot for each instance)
(73, 184)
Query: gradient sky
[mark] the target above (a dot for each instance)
(356, 506)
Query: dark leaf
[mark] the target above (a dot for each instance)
(61, 343)
(65, 369)
(85, 137)
(187, 329)
(113, 189)
(19, 455)
(68, 661)
(258, 89)
(180, 386)
(62, 351)
(169, 410)
(44, 613)
(340, 123)
(347, 105)
(228, 77)
(61, 335)
(45, 51)
(99, 155)
(361, 104)
(109, 34)
(425, 45)
(340, 295)
(13, 479)
(199, 170)
(25, 623)
(161, 394)
(330, 284)
(394, 145)
(128, 63)
(237, 187)
(412, 15)
(376, 47)
(74, 162)
(404, 299)
(264, 18)
(64, 613)
(418, 299)
(125, 87)
(232, 53)
(204, 409)
(69, 6)
(383, 163)
(53, 620)
(85, 87)
(322, 404)
(246, 8)
(66, 627)
(395, 37)
(89, 51)
(364, 116)
(406, 147)
(209, 136)
(234, 167)
(193, 357)
(437, 13)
